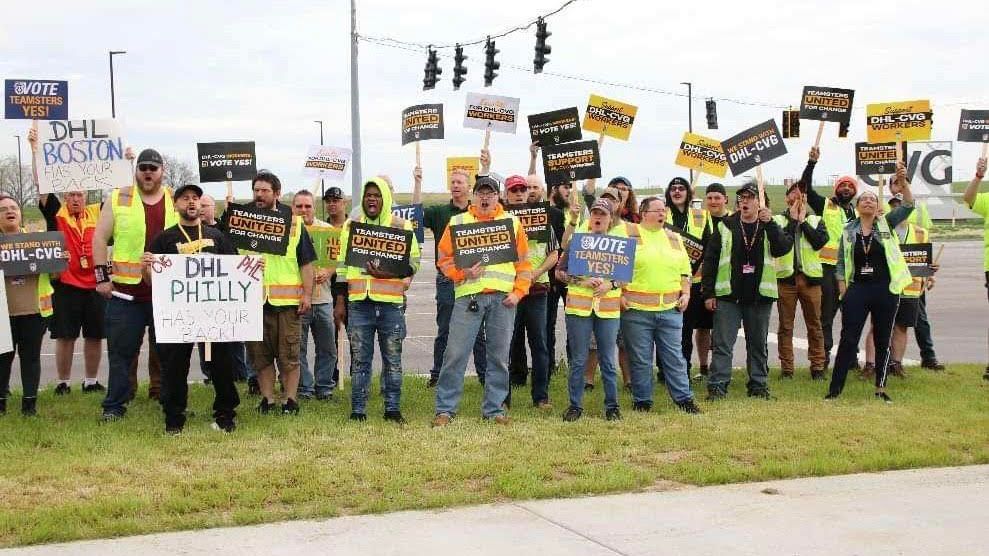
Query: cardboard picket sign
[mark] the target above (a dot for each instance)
(33, 253)
(602, 256)
(422, 122)
(899, 121)
(569, 162)
(973, 126)
(6, 339)
(325, 162)
(534, 218)
(469, 164)
(82, 155)
(488, 243)
(389, 248)
(876, 159)
(691, 244)
(256, 229)
(753, 147)
(918, 257)
(36, 99)
(702, 154)
(553, 128)
(205, 297)
(929, 168)
(826, 104)
(414, 214)
(491, 113)
(609, 117)
(326, 242)
(216, 160)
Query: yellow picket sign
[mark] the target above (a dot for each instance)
(702, 154)
(469, 164)
(899, 121)
(609, 117)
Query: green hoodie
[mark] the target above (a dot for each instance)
(384, 218)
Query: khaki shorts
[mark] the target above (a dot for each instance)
(279, 341)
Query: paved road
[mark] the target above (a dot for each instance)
(957, 306)
(932, 511)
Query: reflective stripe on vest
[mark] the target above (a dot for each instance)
(648, 301)
(45, 291)
(282, 276)
(767, 282)
(899, 273)
(498, 277)
(810, 261)
(129, 231)
(834, 223)
(581, 302)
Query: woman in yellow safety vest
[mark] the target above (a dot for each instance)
(592, 306)
(871, 277)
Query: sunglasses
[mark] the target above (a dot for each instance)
(147, 167)
(677, 188)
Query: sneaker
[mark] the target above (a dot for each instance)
(433, 381)
(643, 407)
(716, 395)
(224, 427)
(306, 395)
(290, 407)
(253, 387)
(265, 406)
(613, 414)
(323, 396)
(932, 364)
(572, 414)
(689, 406)
(94, 387)
(395, 416)
(760, 393)
(544, 405)
(588, 386)
(882, 396)
(29, 407)
(441, 420)
(786, 373)
(501, 419)
(817, 375)
(110, 417)
(62, 389)
(354, 416)
(173, 431)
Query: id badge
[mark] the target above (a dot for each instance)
(748, 269)
(84, 261)
(867, 270)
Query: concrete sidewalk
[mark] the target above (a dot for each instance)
(931, 511)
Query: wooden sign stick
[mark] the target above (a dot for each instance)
(418, 155)
(985, 150)
(882, 181)
(697, 178)
(230, 185)
(762, 186)
(820, 131)
(940, 249)
(208, 351)
(487, 137)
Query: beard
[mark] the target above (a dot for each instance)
(559, 201)
(844, 196)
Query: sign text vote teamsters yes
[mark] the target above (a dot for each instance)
(207, 298)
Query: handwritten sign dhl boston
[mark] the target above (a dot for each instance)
(422, 122)
(487, 243)
(702, 154)
(387, 248)
(899, 121)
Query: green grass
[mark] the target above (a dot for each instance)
(66, 477)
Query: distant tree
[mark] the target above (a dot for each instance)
(179, 172)
(19, 186)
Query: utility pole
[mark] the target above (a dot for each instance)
(355, 110)
(690, 115)
(113, 100)
(322, 184)
(20, 175)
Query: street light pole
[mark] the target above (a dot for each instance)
(355, 111)
(113, 100)
(20, 175)
(690, 115)
(322, 183)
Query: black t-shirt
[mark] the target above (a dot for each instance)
(168, 241)
(749, 259)
(874, 260)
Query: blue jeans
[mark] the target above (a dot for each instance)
(498, 322)
(605, 331)
(530, 319)
(125, 322)
(388, 320)
(444, 308)
(320, 320)
(642, 331)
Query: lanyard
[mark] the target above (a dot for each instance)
(199, 245)
(745, 239)
(866, 247)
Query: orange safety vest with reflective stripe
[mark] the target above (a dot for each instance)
(129, 230)
(914, 234)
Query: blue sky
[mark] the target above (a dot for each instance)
(215, 71)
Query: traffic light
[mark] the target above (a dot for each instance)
(432, 71)
(542, 49)
(459, 71)
(791, 124)
(712, 113)
(490, 65)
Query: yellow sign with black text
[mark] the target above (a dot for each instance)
(702, 154)
(610, 117)
(469, 164)
(899, 121)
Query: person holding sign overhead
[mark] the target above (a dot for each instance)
(739, 284)
(191, 236)
(29, 303)
(654, 303)
(871, 277)
(132, 218)
(979, 203)
(377, 305)
(485, 296)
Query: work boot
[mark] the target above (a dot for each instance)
(441, 420)
(29, 407)
(395, 416)
(932, 364)
(612, 414)
(572, 414)
(895, 368)
(689, 406)
(868, 371)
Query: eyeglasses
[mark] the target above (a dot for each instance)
(677, 188)
(147, 167)
(486, 193)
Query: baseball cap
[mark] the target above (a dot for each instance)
(487, 181)
(613, 193)
(747, 189)
(716, 188)
(679, 181)
(333, 193)
(150, 156)
(603, 205)
(187, 187)
(511, 182)
(620, 179)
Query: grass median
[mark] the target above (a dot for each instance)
(64, 476)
